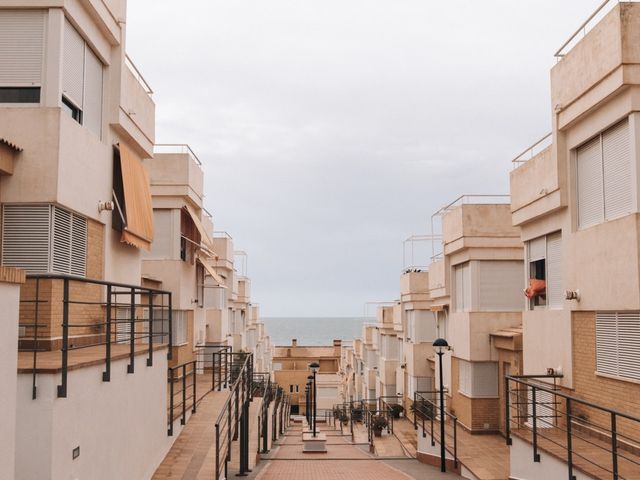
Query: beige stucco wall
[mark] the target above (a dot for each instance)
(469, 333)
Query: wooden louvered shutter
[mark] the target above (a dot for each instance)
(92, 112)
(26, 231)
(21, 47)
(555, 294)
(73, 65)
(616, 155)
(590, 184)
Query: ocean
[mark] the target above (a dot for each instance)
(312, 330)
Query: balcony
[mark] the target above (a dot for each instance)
(176, 171)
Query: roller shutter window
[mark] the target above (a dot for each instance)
(464, 377)
(500, 286)
(484, 379)
(605, 176)
(462, 276)
(92, 113)
(618, 344)
(73, 65)
(21, 47)
(466, 286)
(554, 271)
(590, 184)
(616, 154)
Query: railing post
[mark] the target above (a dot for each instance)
(171, 394)
(195, 393)
(507, 412)
(614, 446)
(62, 388)
(183, 420)
(170, 351)
(106, 375)
(415, 407)
(536, 455)
(150, 357)
(213, 370)
(569, 440)
(132, 331)
(217, 451)
(455, 442)
(34, 387)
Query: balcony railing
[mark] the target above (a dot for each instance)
(599, 441)
(532, 150)
(105, 320)
(176, 148)
(137, 75)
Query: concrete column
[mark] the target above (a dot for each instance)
(10, 280)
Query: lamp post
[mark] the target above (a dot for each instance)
(314, 366)
(308, 400)
(311, 400)
(440, 345)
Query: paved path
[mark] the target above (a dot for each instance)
(343, 461)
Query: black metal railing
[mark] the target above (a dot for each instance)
(87, 314)
(277, 398)
(233, 421)
(265, 390)
(599, 441)
(427, 414)
(185, 390)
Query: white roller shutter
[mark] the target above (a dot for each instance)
(466, 285)
(21, 47)
(484, 379)
(606, 343)
(92, 113)
(500, 286)
(616, 154)
(73, 65)
(465, 384)
(61, 258)
(459, 287)
(26, 231)
(537, 249)
(555, 295)
(618, 344)
(123, 325)
(590, 184)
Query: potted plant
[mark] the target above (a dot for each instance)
(378, 423)
(344, 418)
(356, 414)
(396, 410)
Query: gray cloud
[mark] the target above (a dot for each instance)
(330, 131)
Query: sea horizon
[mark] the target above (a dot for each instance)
(313, 331)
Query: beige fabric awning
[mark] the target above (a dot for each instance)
(208, 266)
(137, 200)
(206, 240)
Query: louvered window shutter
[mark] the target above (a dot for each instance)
(590, 184)
(21, 47)
(554, 271)
(73, 65)
(123, 325)
(629, 345)
(78, 246)
(69, 243)
(464, 377)
(607, 343)
(92, 112)
(26, 231)
(616, 154)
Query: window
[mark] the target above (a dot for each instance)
(44, 238)
(179, 327)
(200, 284)
(544, 256)
(421, 326)
(82, 77)
(189, 237)
(604, 176)
(462, 287)
(478, 379)
(499, 285)
(21, 55)
(328, 392)
(618, 344)
(294, 389)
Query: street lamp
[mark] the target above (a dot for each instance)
(440, 345)
(310, 385)
(306, 400)
(314, 366)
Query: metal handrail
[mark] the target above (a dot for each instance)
(562, 420)
(583, 27)
(176, 148)
(530, 151)
(431, 415)
(108, 328)
(137, 75)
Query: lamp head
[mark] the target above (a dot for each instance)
(440, 345)
(310, 378)
(314, 366)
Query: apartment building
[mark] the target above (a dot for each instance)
(115, 243)
(291, 369)
(576, 206)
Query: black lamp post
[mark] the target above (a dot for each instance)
(307, 410)
(311, 400)
(440, 345)
(314, 366)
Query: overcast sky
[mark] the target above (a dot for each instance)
(331, 130)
